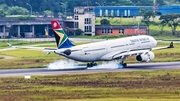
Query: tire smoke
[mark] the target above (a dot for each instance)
(62, 64)
(70, 64)
(106, 65)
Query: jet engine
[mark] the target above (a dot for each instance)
(145, 57)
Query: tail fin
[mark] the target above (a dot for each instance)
(62, 40)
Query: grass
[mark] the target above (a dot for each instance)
(127, 86)
(21, 43)
(153, 29)
(27, 59)
(131, 21)
(24, 58)
(120, 99)
(167, 38)
(157, 37)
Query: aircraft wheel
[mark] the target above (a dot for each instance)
(95, 64)
(124, 65)
(91, 64)
(88, 65)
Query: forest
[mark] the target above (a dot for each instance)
(20, 7)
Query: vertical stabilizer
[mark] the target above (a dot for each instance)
(62, 40)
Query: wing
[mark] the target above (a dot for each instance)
(165, 47)
(33, 47)
(28, 47)
(24, 47)
(6, 49)
(120, 55)
(48, 50)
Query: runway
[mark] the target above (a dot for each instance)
(83, 70)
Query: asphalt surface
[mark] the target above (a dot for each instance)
(84, 70)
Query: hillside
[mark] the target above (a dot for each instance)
(12, 7)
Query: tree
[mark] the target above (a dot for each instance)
(78, 32)
(62, 15)
(160, 2)
(105, 22)
(2, 1)
(147, 14)
(172, 21)
(161, 25)
(142, 2)
(16, 10)
(56, 6)
(2, 14)
(4, 7)
(48, 13)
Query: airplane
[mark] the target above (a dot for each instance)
(117, 49)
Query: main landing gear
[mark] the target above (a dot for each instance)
(122, 64)
(92, 64)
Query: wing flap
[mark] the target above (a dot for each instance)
(130, 53)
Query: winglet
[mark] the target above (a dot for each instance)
(10, 45)
(171, 45)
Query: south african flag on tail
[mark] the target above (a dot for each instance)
(62, 40)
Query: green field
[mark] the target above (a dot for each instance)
(144, 85)
(132, 21)
(153, 29)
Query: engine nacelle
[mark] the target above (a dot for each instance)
(145, 57)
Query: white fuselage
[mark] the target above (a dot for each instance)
(100, 50)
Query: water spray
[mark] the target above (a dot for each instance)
(70, 64)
